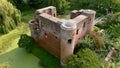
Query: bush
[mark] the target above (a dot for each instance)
(26, 42)
(97, 41)
(109, 20)
(61, 5)
(9, 16)
(21, 4)
(101, 6)
(85, 58)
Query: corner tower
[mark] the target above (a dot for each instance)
(68, 31)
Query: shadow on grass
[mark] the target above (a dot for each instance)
(47, 60)
(18, 58)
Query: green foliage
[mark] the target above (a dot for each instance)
(85, 58)
(97, 41)
(21, 4)
(27, 15)
(4, 65)
(101, 6)
(109, 20)
(12, 36)
(114, 31)
(61, 5)
(9, 16)
(112, 25)
(26, 42)
(93, 40)
(116, 56)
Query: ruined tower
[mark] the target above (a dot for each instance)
(58, 36)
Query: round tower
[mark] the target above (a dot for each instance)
(68, 31)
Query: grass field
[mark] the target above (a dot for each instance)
(17, 57)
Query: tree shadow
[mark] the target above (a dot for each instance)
(19, 58)
(47, 60)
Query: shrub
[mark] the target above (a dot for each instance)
(101, 6)
(61, 5)
(114, 31)
(26, 42)
(21, 4)
(109, 20)
(9, 16)
(97, 41)
(85, 58)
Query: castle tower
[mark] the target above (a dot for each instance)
(68, 31)
(34, 29)
(91, 16)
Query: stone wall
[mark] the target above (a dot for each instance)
(58, 36)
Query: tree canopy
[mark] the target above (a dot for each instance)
(9, 16)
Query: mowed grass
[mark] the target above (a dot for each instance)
(7, 40)
(17, 57)
(47, 60)
(14, 56)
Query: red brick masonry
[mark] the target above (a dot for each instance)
(60, 36)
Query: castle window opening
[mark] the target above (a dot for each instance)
(77, 31)
(56, 37)
(84, 25)
(45, 35)
(70, 41)
(54, 15)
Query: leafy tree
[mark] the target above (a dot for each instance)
(22, 5)
(26, 42)
(84, 58)
(9, 16)
(61, 5)
(109, 20)
(101, 6)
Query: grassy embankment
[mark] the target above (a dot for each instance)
(17, 57)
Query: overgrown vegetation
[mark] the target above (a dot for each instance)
(24, 5)
(10, 17)
(12, 36)
(91, 50)
(84, 58)
(26, 42)
(101, 6)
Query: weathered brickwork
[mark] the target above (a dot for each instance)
(58, 36)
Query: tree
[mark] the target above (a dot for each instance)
(101, 6)
(26, 42)
(9, 16)
(22, 5)
(61, 5)
(85, 58)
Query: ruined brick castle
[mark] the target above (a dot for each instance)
(60, 36)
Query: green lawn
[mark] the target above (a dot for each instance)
(7, 41)
(18, 57)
